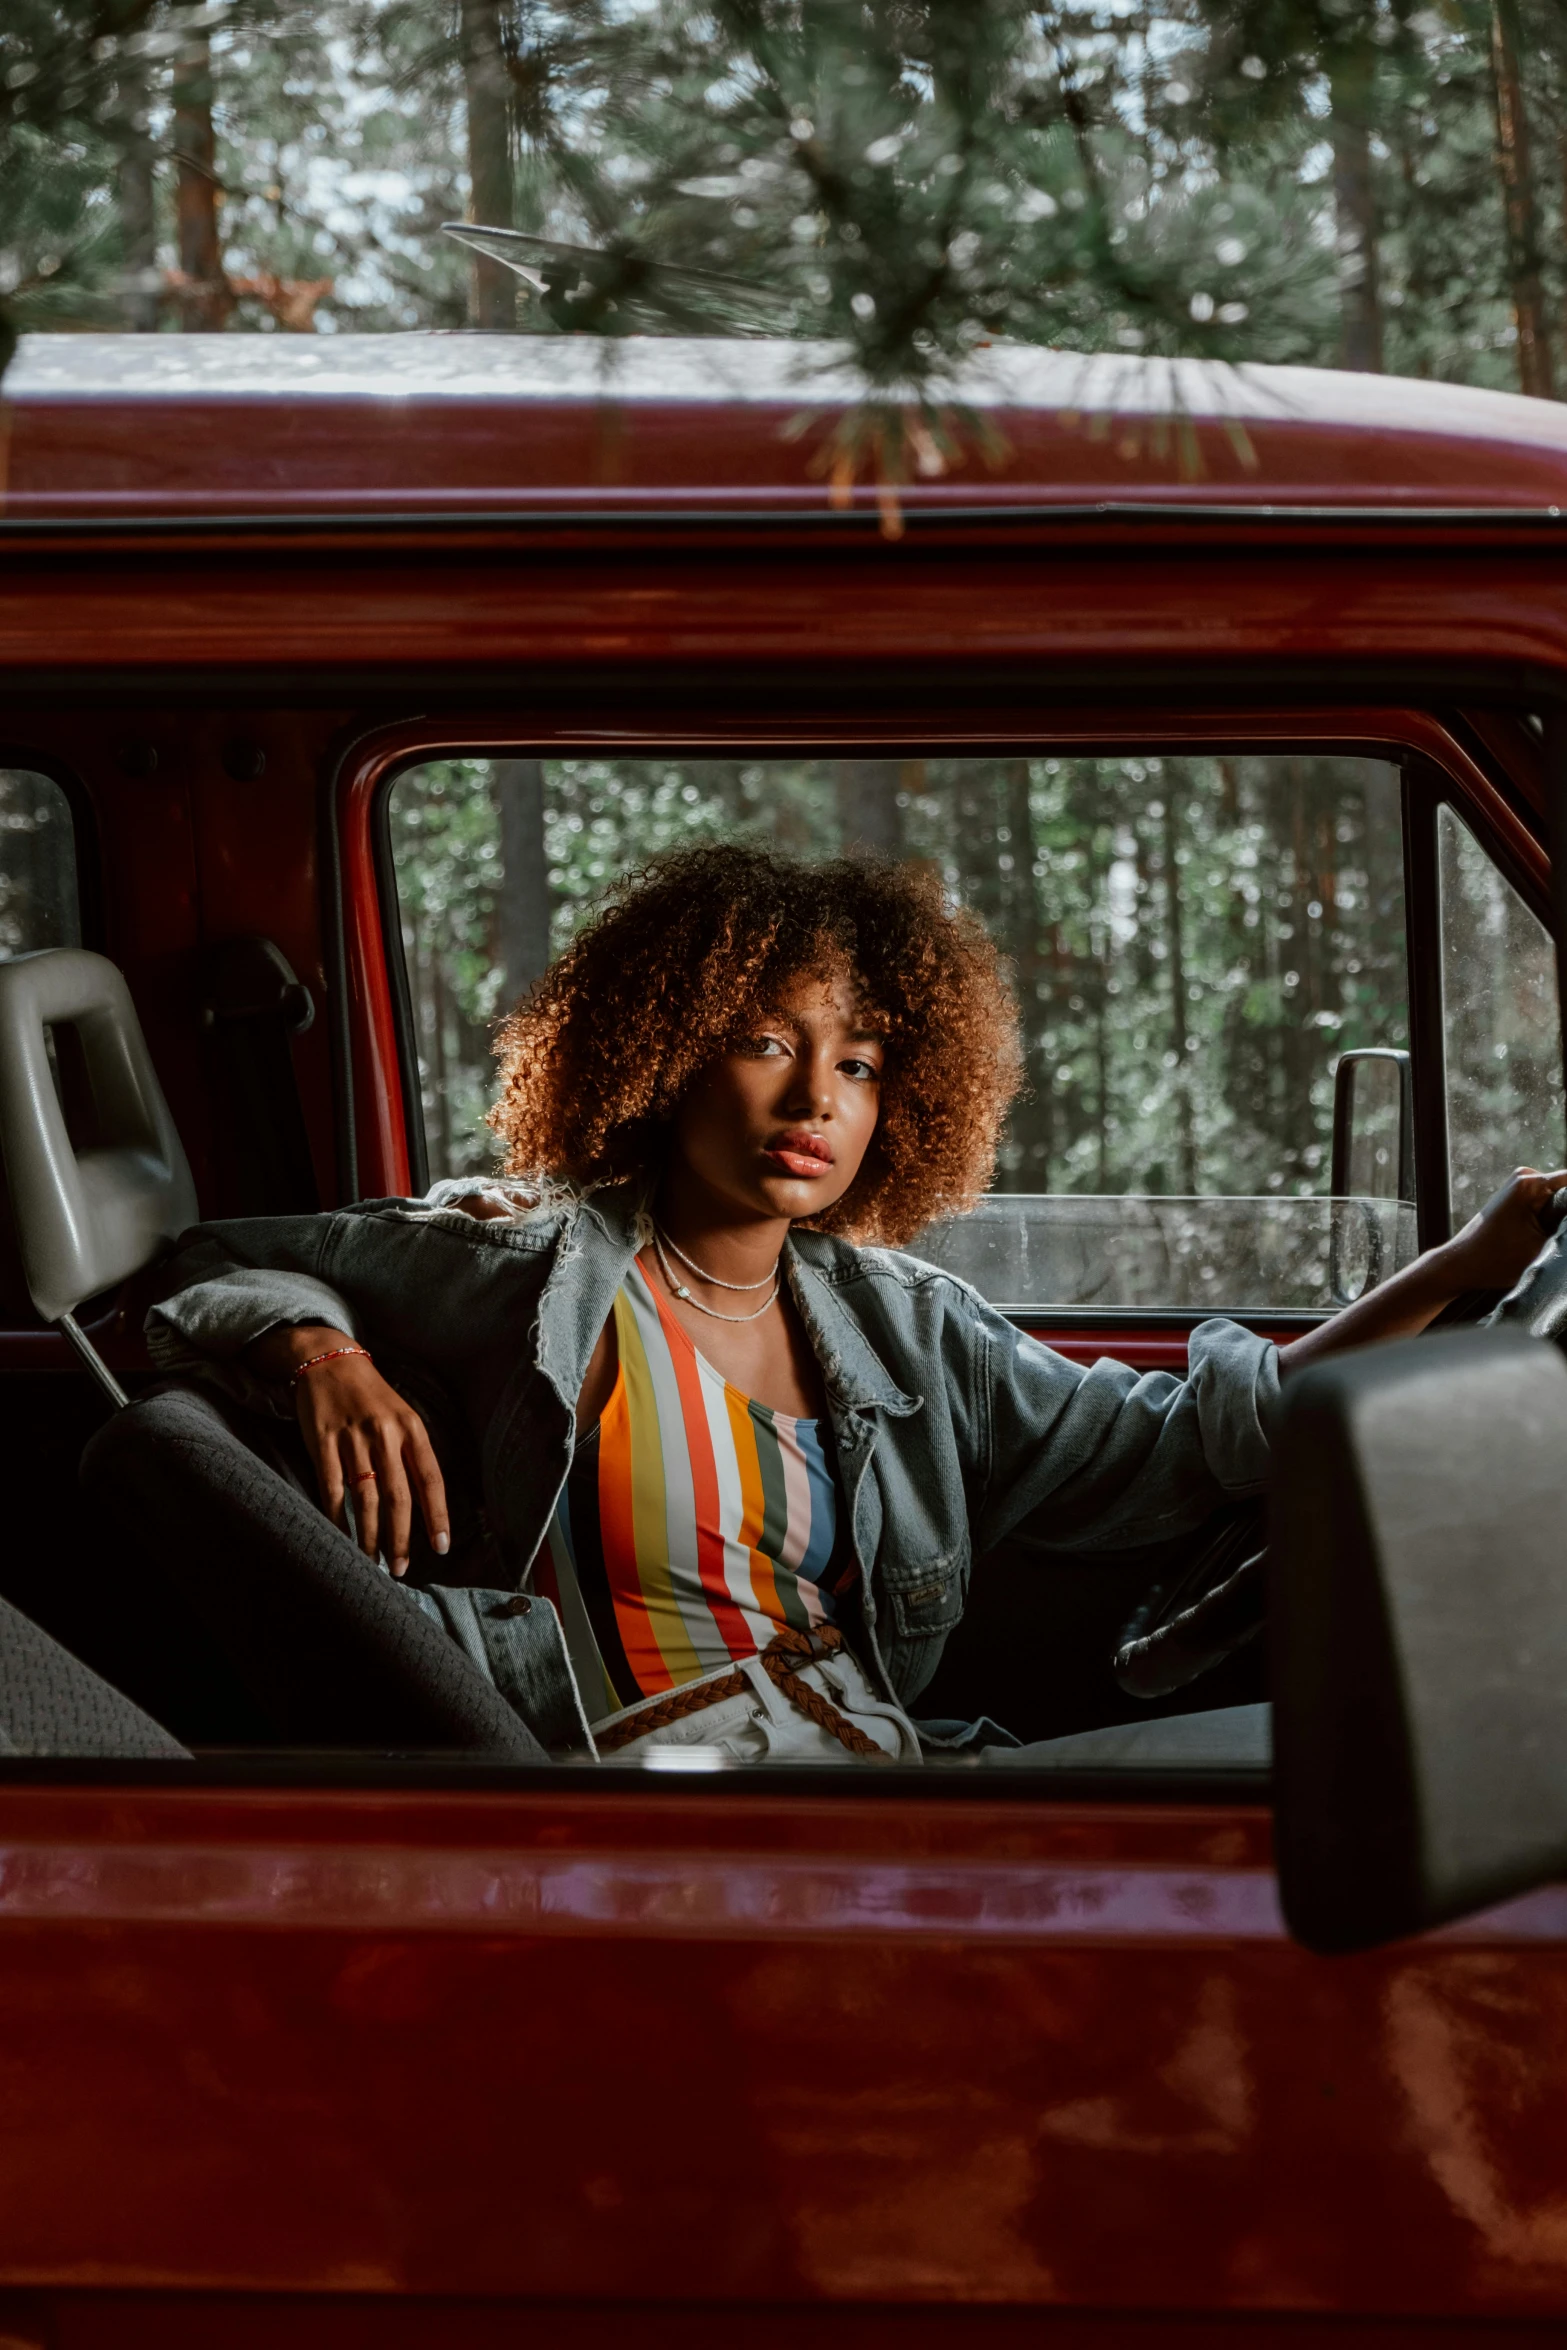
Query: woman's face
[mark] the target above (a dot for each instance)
(779, 1124)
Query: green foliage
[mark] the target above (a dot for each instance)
(1193, 940)
(1502, 1028)
(63, 62)
(909, 178)
(62, 107)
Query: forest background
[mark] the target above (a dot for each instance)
(1370, 184)
(1366, 183)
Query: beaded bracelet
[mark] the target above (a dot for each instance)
(331, 1355)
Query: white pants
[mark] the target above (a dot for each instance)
(760, 1724)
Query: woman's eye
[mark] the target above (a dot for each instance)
(762, 1047)
(863, 1072)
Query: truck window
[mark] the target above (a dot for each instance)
(40, 906)
(1501, 1025)
(1194, 940)
(39, 901)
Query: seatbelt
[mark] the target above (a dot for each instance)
(253, 1003)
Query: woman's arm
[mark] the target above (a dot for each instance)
(244, 1303)
(362, 1438)
(1106, 1458)
(227, 1284)
(1490, 1253)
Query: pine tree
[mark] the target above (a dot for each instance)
(1520, 210)
(1362, 181)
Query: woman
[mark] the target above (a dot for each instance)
(741, 1450)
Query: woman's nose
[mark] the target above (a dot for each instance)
(812, 1089)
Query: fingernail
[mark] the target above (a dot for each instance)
(399, 1566)
(443, 1543)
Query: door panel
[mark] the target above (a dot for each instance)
(766, 2049)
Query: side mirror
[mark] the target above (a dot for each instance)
(1418, 1627)
(1373, 1170)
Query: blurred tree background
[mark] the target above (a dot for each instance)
(1371, 184)
(1193, 940)
(1367, 183)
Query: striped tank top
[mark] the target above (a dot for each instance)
(694, 1522)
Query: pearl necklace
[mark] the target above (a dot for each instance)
(683, 1293)
(712, 1279)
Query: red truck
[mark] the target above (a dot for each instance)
(348, 2050)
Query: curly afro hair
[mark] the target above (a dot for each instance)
(682, 953)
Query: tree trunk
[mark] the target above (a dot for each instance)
(140, 291)
(523, 925)
(1102, 1075)
(1419, 276)
(1178, 1010)
(1355, 210)
(493, 290)
(204, 299)
(1092, 979)
(868, 813)
(1520, 211)
(1030, 1121)
(439, 1069)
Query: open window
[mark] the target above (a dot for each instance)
(1501, 1024)
(1196, 939)
(40, 906)
(40, 895)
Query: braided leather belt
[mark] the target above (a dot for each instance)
(781, 1660)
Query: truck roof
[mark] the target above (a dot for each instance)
(189, 427)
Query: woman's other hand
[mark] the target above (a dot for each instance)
(363, 1439)
(1490, 1253)
(1496, 1245)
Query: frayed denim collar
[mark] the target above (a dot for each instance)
(600, 1235)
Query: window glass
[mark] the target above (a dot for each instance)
(38, 908)
(1194, 940)
(38, 892)
(1501, 1025)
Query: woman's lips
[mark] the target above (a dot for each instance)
(800, 1154)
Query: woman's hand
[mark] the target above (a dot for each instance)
(1490, 1253)
(1496, 1245)
(362, 1440)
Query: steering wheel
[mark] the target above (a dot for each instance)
(1190, 1623)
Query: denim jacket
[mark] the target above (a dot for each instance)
(952, 1428)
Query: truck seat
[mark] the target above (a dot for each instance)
(52, 1704)
(331, 1650)
(335, 1653)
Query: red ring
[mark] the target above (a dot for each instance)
(365, 1477)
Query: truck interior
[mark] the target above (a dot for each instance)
(236, 985)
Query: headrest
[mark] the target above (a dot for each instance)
(87, 1218)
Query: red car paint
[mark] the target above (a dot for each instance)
(450, 2062)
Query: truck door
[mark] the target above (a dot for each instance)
(401, 2052)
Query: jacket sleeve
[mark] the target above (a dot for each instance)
(1108, 1457)
(230, 1283)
